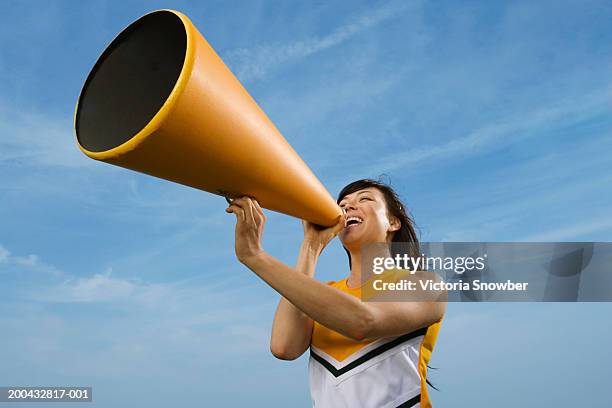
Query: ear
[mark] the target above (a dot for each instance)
(395, 224)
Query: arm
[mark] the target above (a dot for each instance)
(330, 307)
(342, 312)
(292, 328)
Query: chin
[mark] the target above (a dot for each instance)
(354, 239)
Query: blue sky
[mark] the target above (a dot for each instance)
(491, 119)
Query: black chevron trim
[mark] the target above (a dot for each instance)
(411, 402)
(369, 355)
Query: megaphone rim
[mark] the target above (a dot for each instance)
(159, 117)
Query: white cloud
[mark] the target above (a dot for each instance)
(598, 223)
(31, 262)
(508, 130)
(169, 329)
(38, 139)
(254, 63)
(4, 254)
(101, 287)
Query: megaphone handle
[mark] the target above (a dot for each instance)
(225, 195)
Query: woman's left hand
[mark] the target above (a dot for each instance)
(250, 221)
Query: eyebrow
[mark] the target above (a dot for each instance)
(358, 193)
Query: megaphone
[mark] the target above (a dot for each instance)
(160, 101)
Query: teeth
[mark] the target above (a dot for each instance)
(353, 218)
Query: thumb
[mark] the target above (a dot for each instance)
(340, 224)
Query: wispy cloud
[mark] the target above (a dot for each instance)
(254, 63)
(505, 131)
(34, 138)
(574, 232)
(100, 287)
(150, 322)
(31, 262)
(530, 200)
(4, 254)
(482, 115)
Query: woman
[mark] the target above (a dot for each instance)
(363, 354)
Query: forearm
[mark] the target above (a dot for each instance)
(332, 308)
(292, 328)
(308, 257)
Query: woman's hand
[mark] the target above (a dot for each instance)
(318, 236)
(250, 221)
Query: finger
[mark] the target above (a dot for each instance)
(249, 210)
(257, 206)
(240, 201)
(259, 209)
(238, 211)
(233, 209)
(243, 203)
(340, 224)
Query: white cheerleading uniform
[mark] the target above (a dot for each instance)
(382, 373)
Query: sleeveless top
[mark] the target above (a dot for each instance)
(381, 373)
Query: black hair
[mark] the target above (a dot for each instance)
(405, 240)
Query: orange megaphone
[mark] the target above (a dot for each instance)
(160, 101)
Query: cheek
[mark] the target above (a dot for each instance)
(380, 219)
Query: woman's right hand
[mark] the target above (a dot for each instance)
(318, 236)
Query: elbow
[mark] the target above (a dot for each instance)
(440, 310)
(283, 353)
(357, 335)
(363, 327)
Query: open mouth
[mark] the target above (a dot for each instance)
(352, 222)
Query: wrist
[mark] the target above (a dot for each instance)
(252, 260)
(313, 247)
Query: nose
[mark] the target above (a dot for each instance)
(349, 205)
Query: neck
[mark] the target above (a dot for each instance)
(354, 280)
(362, 260)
